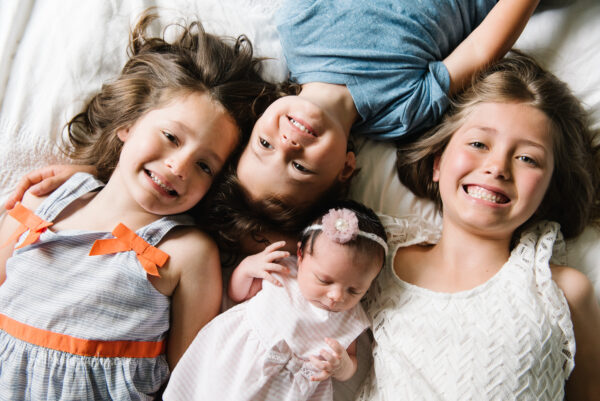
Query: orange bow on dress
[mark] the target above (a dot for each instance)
(150, 257)
(29, 221)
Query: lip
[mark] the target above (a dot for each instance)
(172, 193)
(497, 191)
(308, 129)
(323, 306)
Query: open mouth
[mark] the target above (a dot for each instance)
(161, 184)
(486, 195)
(302, 126)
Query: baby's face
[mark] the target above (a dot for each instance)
(295, 153)
(335, 277)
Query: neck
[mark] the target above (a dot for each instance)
(336, 100)
(113, 205)
(462, 249)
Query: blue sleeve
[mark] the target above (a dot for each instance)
(387, 52)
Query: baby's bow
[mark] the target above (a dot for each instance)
(29, 221)
(150, 257)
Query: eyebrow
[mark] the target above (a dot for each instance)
(522, 141)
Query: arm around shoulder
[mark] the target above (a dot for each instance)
(585, 315)
(193, 279)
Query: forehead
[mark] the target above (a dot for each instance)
(511, 120)
(342, 263)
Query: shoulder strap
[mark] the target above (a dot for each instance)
(154, 232)
(76, 186)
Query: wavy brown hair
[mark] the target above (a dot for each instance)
(196, 61)
(572, 198)
(230, 214)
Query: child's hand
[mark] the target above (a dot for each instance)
(45, 180)
(336, 362)
(261, 265)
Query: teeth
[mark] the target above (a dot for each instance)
(158, 182)
(480, 193)
(300, 126)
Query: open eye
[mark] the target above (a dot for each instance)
(205, 167)
(264, 143)
(170, 137)
(301, 168)
(477, 145)
(528, 160)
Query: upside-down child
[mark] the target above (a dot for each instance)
(298, 324)
(105, 284)
(486, 312)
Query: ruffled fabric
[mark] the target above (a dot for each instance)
(508, 338)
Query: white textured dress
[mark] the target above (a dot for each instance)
(510, 338)
(259, 349)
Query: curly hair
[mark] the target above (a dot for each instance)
(519, 78)
(195, 61)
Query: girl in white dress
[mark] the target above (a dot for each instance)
(483, 314)
(298, 326)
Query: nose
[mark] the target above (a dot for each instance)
(290, 140)
(335, 295)
(177, 164)
(498, 166)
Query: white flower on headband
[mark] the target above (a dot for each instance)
(340, 225)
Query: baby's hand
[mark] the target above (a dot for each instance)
(261, 265)
(331, 363)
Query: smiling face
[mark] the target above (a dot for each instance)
(296, 152)
(496, 168)
(172, 153)
(335, 277)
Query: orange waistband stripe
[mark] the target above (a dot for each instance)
(79, 346)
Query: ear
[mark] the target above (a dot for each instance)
(123, 134)
(436, 168)
(299, 252)
(349, 167)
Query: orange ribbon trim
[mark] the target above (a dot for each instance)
(29, 221)
(150, 257)
(80, 346)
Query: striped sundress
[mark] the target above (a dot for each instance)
(80, 327)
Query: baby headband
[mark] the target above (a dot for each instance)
(341, 226)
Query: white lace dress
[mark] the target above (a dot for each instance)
(510, 338)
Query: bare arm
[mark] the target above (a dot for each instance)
(45, 180)
(247, 277)
(583, 383)
(192, 277)
(491, 40)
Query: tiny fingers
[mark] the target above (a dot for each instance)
(267, 276)
(274, 246)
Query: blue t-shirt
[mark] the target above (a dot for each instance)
(387, 52)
